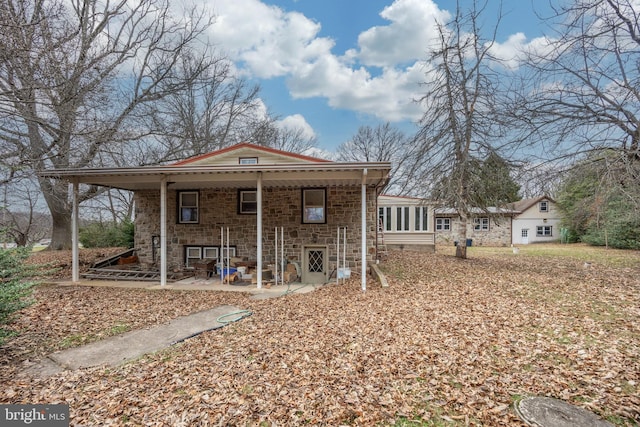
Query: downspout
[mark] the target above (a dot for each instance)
(75, 263)
(163, 231)
(363, 229)
(259, 230)
(378, 190)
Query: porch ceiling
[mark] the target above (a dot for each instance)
(241, 176)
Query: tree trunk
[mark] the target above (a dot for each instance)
(461, 247)
(61, 231)
(56, 195)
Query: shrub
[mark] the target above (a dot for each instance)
(15, 286)
(101, 235)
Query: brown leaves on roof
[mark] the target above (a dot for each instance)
(451, 341)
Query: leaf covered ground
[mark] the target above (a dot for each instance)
(450, 342)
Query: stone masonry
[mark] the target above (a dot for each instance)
(281, 208)
(499, 233)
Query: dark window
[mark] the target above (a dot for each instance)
(247, 201)
(422, 218)
(188, 207)
(544, 206)
(314, 206)
(443, 224)
(481, 224)
(544, 231)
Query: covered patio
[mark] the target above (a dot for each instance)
(161, 185)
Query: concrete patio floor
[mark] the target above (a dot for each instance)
(191, 283)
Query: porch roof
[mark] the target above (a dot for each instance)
(226, 176)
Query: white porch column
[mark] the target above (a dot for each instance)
(259, 230)
(163, 231)
(75, 270)
(363, 214)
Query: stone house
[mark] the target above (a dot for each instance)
(532, 220)
(239, 198)
(490, 227)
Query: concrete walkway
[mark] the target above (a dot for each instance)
(132, 345)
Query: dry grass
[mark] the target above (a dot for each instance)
(451, 342)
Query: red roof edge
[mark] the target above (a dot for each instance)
(249, 145)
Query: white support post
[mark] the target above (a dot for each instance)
(163, 231)
(75, 259)
(259, 230)
(221, 266)
(338, 258)
(276, 272)
(283, 266)
(228, 265)
(363, 228)
(344, 255)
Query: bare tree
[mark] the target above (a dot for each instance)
(215, 110)
(21, 219)
(382, 143)
(583, 94)
(78, 78)
(462, 123)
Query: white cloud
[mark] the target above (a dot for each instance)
(412, 29)
(270, 41)
(297, 122)
(512, 52)
(380, 77)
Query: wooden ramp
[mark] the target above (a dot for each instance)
(111, 269)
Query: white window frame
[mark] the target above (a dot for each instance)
(248, 160)
(384, 214)
(443, 224)
(481, 224)
(541, 231)
(242, 204)
(306, 219)
(543, 206)
(183, 209)
(403, 218)
(193, 254)
(421, 221)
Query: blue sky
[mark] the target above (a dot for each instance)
(331, 66)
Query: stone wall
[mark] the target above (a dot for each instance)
(499, 233)
(281, 208)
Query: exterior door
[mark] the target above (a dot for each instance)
(315, 264)
(524, 239)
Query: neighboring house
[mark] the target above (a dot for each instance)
(405, 223)
(490, 227)
(538, 220)
(238, 197)
(527, 221)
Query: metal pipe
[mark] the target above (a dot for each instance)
(163, 231)
(363, 228)
(259, 230)
(75, 259)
